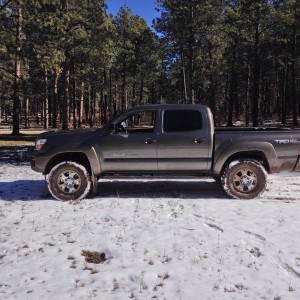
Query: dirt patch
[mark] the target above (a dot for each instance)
(93, 257)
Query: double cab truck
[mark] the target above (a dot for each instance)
(165, 140)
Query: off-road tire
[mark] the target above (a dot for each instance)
(69, 181)
(244, 179)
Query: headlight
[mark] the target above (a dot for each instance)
(40, 143)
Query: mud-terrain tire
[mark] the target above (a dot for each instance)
(69, 181)
(244, 179)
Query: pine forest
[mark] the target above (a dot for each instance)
(69, 64)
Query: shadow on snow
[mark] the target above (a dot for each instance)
(24, 190)
(192, 189)
(33, 190)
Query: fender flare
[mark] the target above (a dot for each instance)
(95, 167)
(231, 151)
(94, 160)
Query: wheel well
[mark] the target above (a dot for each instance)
(78, 157)
(252, 155)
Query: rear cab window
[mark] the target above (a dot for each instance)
(184, 120)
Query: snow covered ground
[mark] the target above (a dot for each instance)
(182, 239)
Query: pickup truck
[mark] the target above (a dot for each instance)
(167, 140)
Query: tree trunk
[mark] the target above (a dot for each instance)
(293, 74)
(141, 91)
(256, 72)
(285, 94)
(81, 104)
(26, 111)
(278, 91)
(116, 98)
(66, 96)
(90, 110)
(93, 106)
(87, 107)
(232, 87)
(104, 99)
(46, 100)
(247, 119)
(184, 87)
(17, 73)
(124, 88)
(191, 45)
(212, 97)
(55, 102)
(110, 94)
(74, 104)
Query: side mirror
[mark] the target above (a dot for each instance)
(115, 128)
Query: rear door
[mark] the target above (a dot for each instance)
(183, 144)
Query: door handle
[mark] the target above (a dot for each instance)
(149, 141)
(199, 140)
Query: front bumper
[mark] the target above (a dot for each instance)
(38, 162)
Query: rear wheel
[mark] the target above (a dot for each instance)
(244, 179)
(69, 181)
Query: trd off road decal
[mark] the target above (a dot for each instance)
(285, 141)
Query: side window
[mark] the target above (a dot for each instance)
(182, 120)
(143, 121)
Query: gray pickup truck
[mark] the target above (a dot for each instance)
(167, 140)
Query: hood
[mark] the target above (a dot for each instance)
(70, 140)
(67, 133)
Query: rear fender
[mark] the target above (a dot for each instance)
(260, 151)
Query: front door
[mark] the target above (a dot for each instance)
(131, 146)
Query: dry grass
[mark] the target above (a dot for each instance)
(4, 143)
(26, 137)
(23, 132)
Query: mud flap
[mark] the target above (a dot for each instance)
(297, 165)
(95, 183)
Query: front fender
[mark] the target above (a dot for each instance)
(225, 153)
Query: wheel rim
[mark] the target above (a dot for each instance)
(69, 181)
(245, 180)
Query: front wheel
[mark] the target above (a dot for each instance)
(244, 179)
(69, 181)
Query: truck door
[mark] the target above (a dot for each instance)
(131, 146)
(184, 142)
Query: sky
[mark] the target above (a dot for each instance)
(143, 8)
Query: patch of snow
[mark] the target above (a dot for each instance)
(233, 163)
(161, 239)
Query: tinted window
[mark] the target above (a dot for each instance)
(182, 120)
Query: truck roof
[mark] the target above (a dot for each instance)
(167, 106)
(157, 106)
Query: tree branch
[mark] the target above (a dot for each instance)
(4, 5)
(10, 72)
